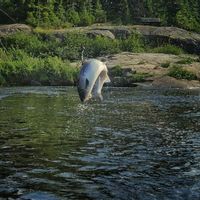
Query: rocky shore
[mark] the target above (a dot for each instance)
(151, 69)
(187, 40)
(128, 69)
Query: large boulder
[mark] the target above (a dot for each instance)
(14, 28)
(187, 40)
(103, 33)
(121, 32)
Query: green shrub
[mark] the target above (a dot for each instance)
(2, 80)
(180, 73)
(165, 65)
(102, 46)
(30, 43)
(140, 77)
(100, 14)
(73, 42)
(168, 49)
(186, 61)
(86, 18)
(3, 54)
(116, 71)
(72, 16)
(133, 43)
(21, 70)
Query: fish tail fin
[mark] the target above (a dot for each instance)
(99, 96)
(107, 79)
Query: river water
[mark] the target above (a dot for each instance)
(136, 144)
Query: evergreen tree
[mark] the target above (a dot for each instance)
(172, 7)
(86, 16)
(72, 16)
(182, 13)
(124, 11)
(100, 14)
(60, 12)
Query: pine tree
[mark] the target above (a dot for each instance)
(61, 11)
(72, 16)
(100, 14)
(86, 16)
(122, 11)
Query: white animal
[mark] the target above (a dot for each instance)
(93, 75)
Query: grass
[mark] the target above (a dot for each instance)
(19, 68)
(168, 49)
(116, 71)
(180, 73)
(187, 60)
(140, 77)
(165, 65)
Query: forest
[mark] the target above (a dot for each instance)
(59, 13)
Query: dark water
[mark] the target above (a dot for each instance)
(136, 144)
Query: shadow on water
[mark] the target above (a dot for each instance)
(136, 144)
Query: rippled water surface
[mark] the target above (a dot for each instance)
(136, 144)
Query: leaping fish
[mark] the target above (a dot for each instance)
(93, 75)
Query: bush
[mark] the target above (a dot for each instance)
(140, 77)
(186, 61)
(133, 43)
(165, 65)
(72, 45)
(102, 46)
(72, 16)
(30, 43)
(86, 18)
(168, 49)
(100, 14)
(116, 71)
(21, 70)
(180, 73)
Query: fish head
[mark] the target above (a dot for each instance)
(83, 89)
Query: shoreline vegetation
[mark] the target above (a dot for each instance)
(40, 57)
(41, 43)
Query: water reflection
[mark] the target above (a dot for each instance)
(136, 144)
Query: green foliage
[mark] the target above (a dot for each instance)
(70, 47)
(168, 49)
(133, 43)
(165, 65)
(123, 11)
(72, 16)
(102, 46)
(180, 73)
(67, 47)
(31, 19)
(52, 13)
(188, 60)
(29, 42)
(140, 77)
(86, 18)
(100, 14)
(20, 69)
(44, 56)
(186, 19)
(116, 71)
